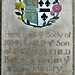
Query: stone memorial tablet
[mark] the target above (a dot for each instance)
(37, 37)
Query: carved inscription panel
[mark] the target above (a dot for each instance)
(28, 50)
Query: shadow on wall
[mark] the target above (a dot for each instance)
(0, 32)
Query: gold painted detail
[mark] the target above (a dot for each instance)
(31, 12)
(34, 2)
(28, 2)
(30, 8)
(32, 17)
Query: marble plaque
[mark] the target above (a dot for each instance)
(37, 37)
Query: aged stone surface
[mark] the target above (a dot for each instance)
(36, 51)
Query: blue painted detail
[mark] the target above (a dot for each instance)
(27, 14)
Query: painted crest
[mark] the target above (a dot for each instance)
(38, 13)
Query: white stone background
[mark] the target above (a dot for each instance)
(47, 28)
(73, 30)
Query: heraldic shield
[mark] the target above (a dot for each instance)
(38, 13)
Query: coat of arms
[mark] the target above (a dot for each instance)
(38, 13)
